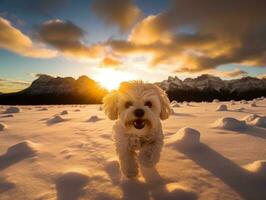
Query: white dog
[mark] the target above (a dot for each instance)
(138, 106)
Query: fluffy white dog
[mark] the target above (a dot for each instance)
(138, 108)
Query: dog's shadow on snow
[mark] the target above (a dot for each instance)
(246, 184)
(154, 187)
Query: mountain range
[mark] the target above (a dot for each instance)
(50, 90)
(207, 87)
(56, 90)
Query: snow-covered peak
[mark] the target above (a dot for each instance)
(205, 81)
(209, 82)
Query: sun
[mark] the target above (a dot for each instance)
(110, 79)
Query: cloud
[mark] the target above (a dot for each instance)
(169, 50)
(197, 36)
(262, 76)
(16, 21)
(235, 73)
(123, 13)
(189, 36)
(230, 74)
(10, 85)
(14, 40)
(111, 62)
(148, 31)
(67, 38)
(18, 82)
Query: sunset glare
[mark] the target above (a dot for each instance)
(110, 79)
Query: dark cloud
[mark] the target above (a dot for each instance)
(203, 34)
(177, 47)
(67, 37)
(14, 40)
(190, 35)
(234, 73)
(123, 13)
(41, 74)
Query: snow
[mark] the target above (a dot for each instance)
(56, 119)
(241, 109)
(257, 167)
(174, 104)
(233, 102)
(175, 189)
(221, 107)
(70, 185)
(243, 102)
(187, 137)
(250, 117)
(259, 121)
(43, 109)
(9, 115)
(6, 184)
(230, 123)
(21, 149)
(12, 109)
(3, 126)
(100, 108)
(185, 103)
(64, 112)
(93, 118)
(47, 156)
(255, 120)
(253, 104)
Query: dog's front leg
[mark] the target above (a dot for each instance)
(128, 163)
(149, 154)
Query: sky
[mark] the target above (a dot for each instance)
(117, 40)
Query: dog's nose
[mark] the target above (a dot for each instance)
(139, 112)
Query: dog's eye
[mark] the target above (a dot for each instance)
(128, 104)
(148, 103)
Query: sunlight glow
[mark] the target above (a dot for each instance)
(110, 79)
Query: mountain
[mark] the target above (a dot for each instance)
(50, 90)
(56, 90)
(207, 88)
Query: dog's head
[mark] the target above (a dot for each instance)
(138, 105)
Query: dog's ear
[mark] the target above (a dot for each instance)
(110, 107)
(165, 104)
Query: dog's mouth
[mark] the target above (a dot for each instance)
(139, 123)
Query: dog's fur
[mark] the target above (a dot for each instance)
(120, 105)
